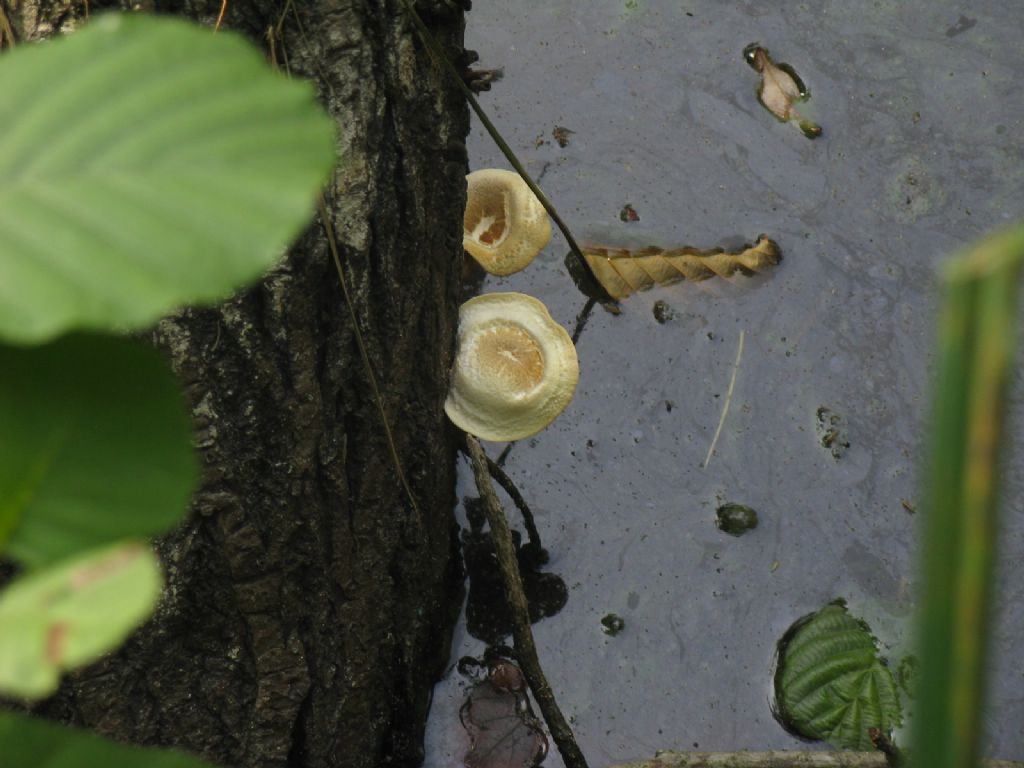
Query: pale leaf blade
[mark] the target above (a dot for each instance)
(144, 164)
(70, 614)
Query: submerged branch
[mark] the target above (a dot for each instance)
(522, 635)
(509, 486)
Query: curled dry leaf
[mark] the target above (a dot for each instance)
(505, 732)
(622, 272)
(780, 89)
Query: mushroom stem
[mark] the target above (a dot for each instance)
(522, 636)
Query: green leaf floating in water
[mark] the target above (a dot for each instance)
(95, 447)
(71, 614)
(31, 742)
(146, 164)
(830, 683)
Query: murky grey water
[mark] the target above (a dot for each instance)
(922, 153)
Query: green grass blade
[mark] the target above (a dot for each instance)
(976, 343)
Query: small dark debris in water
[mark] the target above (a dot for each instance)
(669, 405)
(612, 624)
(908, 507)
(961, 26)
(628, 213)
(540, 141)
(915, 118)
(830, 430)
(503, 729)
(611, 307)
(663, 313)
(781, 89)
(561, 135)
(736, 519)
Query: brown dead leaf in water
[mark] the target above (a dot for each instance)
(780, 89)
(497, 715)
(622, 272)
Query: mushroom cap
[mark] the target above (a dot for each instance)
(515, 368)
(504, 226)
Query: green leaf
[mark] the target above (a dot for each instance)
(95, 446)
(830, 684)
(977, 341)
(146, 163)
(70, 614)
(30, 742)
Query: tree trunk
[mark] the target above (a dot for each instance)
(308, 607)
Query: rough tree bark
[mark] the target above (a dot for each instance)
(308, 611)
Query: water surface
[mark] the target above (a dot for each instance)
(921, 154)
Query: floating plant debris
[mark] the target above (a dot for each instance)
(832, 432)
(622, 272)
(612, 624)
(830, 683)
(736, 519)
(781, 89)
(561, 135)
(497, 715)
(663, 312)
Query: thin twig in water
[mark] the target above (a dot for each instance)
(522, 635)
(505, 482)
(581, 319)
(728, 398)
(435, 50)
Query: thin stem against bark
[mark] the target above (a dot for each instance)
(526, 651)
(779, 759)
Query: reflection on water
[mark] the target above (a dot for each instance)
(921, 154)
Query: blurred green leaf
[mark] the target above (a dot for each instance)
(95, 446)
(146, 164)
(30, 742)
(70, 614)
(830, 683)
(977, 337)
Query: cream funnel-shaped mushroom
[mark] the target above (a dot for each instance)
(515, 368)
(505, 226)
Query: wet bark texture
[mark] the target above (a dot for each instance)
(308, 611)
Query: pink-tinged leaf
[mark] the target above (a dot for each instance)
(504, 732)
